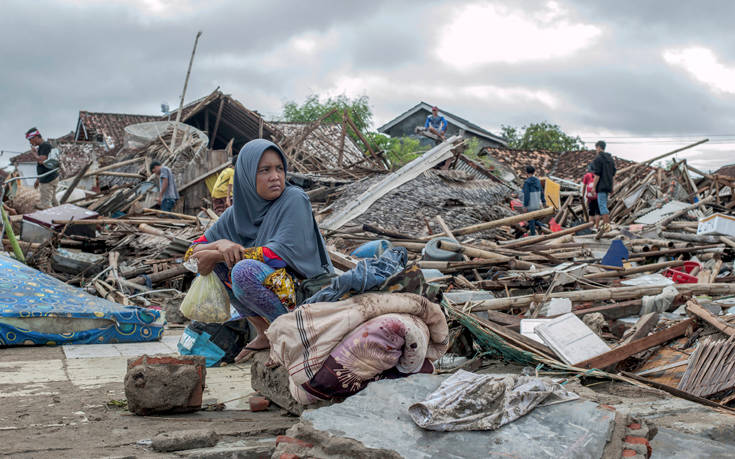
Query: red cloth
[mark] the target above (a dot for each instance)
(589, 182)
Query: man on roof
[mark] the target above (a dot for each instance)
(436, 124)
(47, 168)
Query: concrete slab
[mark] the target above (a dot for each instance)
(92, 351)
(378, 417)
(31, 371)
(671, 444)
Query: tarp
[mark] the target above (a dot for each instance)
(37, 309)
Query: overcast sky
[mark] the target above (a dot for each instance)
(646, 76)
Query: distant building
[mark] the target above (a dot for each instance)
(405, 126)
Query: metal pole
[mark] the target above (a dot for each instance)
(183, 93)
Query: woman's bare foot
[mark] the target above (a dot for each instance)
(260, 343)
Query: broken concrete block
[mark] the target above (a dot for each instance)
(272, 383)
(165, 383)
(378, 418)
(184, 439)
(302, 440)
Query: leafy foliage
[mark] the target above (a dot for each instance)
(314, 108)
(541, 136)
(398, 150)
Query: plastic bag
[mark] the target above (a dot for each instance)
(206, 300)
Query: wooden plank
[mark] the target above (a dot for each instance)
(217, 169)
(341, 260)
(645, 324)
(623, 352)
(75, 182)
(694, 308)
(676, 392)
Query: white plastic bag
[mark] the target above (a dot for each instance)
(206, 300)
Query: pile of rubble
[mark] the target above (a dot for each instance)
(650, 302)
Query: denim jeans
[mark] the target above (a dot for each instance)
(602, 203)
(167, 205)
(532, 227)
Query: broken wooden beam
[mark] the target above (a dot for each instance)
(621, 353)
(696, 309)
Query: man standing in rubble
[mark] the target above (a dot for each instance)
(168, 194)
(47, 168)
(603, 167)
(436, 124)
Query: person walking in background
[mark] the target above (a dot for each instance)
(42, 152)
(604, 168)
(590, 196)
(168, 194)
(222, 189)
(533, 196)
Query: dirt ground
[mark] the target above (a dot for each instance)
(59, 419)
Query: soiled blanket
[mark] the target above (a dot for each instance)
(355, 341)
(469, 401)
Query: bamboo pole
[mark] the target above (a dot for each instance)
(484, 254)
(11, 236)
(114, 166)
(535, 215)
(613, 293)
(536, 239)
(636, 270)
(173, 214)
(652, 160)
(183, 93)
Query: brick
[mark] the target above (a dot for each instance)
(629, 453)
(634, 426)
(259, 403)
(294, 441)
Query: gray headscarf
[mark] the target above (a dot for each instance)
(284, 225)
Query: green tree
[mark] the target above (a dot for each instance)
(314, 108)
(398, 150)
(541, 136)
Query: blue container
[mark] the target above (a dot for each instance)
(372, 249)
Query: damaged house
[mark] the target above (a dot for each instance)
(406, 123)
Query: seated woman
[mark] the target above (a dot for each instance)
(265, 239)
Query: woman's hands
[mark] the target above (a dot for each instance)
(222, 251)
(206, 260)
(231, 252)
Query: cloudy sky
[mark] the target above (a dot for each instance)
(646, 76)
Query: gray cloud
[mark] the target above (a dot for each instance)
(110, 56)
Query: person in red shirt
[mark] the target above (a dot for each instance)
(590, 195)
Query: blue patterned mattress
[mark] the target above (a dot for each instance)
(37, 309)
